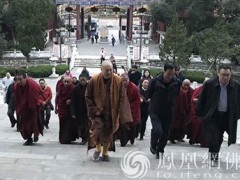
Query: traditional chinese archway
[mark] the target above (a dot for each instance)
(93, 4)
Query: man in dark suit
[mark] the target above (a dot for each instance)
(218, 107)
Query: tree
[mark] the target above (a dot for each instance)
(231, 14)
(215, 44)
(203, 14)
(176, 45)
(29, 21)
(2, 37)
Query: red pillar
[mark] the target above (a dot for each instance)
(78, 32)
(82, 23)
(130, 21)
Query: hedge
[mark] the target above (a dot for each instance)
(35, 71)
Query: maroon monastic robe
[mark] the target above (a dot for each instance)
(27, 108)
(179, 125)
(196, 135)
(66, 133)
(130, 132)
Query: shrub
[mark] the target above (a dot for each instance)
(198, 76)
(40, 71)
(61, 69)
(11, 70)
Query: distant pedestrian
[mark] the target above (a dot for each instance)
(92, 39)
(179, 74)
(102, 55)
(112, 59)
(113, 41)
(96, 38)
(68, 74)
(10, 100)
(6, 81)
(85, 73)
(134, 75)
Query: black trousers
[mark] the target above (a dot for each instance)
(216, 130)
(159, 132)
(10, 114)
(144, 118)
(45, 115)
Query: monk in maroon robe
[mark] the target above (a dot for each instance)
(27, 93)
(196, 135)
(130, 131)
(62, 108)
(181, 121)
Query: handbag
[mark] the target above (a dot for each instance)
(51, 106)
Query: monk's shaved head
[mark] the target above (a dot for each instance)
(107, 69)
(106, 63)
(67, 80)
(186, 81)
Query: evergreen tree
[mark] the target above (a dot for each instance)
(176, 45)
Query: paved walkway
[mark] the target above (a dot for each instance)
(50, 160)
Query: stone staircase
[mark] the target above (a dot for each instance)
(94, 61)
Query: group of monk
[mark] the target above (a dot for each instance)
(107, 106)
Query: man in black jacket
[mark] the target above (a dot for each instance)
(79, 109)
(10, 100)
(162, 91)
(218, 107)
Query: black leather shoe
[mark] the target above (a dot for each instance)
(132, 141)
(153, 151)
(13, 123)
(35, 139)
(159, 155)
(29, 142)
(83, 142)
(46, 126)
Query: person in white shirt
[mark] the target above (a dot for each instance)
(6, 81)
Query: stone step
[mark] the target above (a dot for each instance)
(94, 61)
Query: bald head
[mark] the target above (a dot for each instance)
(67, 81)
(186, 84)
(186, 81)
(107, 69)
(106, 63)
(125, 79)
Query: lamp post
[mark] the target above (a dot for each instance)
(141, 11)
(60, 42)
(69, 10)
